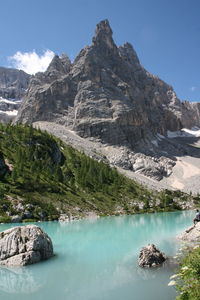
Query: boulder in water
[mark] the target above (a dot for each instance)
(150, 256)
(24, 245)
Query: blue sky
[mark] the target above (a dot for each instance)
(164, 33)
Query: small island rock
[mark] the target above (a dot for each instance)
(24, 245)
(150, 256)
(191, 234)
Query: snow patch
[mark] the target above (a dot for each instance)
(9, 113)
(194, 132)
(9, 101)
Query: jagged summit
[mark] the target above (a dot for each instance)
(106, 94)
(103, 35)
(61, 64)
(103, 28)
(129, 55)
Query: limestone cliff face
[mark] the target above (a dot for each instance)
(48, 94)
(13, 83)
(13, 86)
(106, 94)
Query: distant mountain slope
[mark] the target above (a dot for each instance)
(13, 83)
(41, 177)
(13, 86)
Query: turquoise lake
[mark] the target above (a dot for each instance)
(97, 260)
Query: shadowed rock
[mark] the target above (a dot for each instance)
(150, 256)
(24, 245)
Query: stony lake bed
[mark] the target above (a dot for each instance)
(97, 259)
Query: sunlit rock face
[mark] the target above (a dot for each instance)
(191, 234)
(24, 245)
(150, 256)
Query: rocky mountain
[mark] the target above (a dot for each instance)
(13, 86)
(107, 95)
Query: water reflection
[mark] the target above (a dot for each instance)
(20, 280)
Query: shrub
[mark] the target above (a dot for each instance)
(188, 277)
(29, 220)
(5, 219)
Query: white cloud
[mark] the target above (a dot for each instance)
(193, 88)
(31, 62)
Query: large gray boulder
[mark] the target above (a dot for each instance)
(150, 256)
(191, 234)
(24, 245)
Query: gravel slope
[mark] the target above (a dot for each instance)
(185, 175)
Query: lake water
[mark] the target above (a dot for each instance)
(97, 260)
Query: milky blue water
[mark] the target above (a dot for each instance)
(97, 260)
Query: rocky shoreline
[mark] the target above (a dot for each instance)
(191, 235)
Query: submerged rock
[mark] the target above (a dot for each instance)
(150, 256)
(191, 234)
(24, 245)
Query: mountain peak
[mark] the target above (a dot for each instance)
(103, 34)
(129, 55)
(60, 64)
(104, 27)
